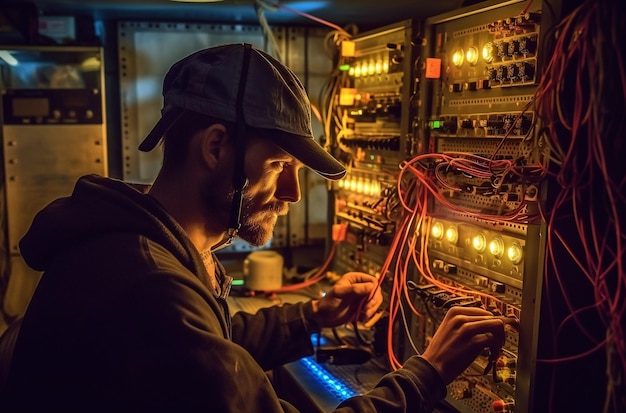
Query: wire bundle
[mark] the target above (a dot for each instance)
(410, 247)
(473, 166)
(581, 100)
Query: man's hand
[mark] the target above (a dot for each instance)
(353, 292)
(463, 334)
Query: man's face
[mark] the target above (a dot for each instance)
(272, 184)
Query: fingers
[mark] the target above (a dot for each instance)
(470, 311)
(359, 289)
(371, 308)
(485, 332)
(371, 321)
(490, 334)
(362, 289)
(354, 283)
(463, 334)
(351, 278)
(478, 328)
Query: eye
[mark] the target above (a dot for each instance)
(279, 165)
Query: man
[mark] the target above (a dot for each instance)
(131, 311)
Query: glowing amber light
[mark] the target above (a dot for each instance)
(515, 253)
(359, 185)
(479, 242)
(376, 188)
(379, 67)
(367, 187)
(472, 55)
(353, 184)
(385, 67)
(437, 230)
(452, 235)
(458, 57)
(371, 69)
(488, 52)
(496, 247)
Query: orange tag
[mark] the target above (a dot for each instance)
(433, 68)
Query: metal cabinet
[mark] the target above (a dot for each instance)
(53, 131)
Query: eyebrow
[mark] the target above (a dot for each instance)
(283, 155)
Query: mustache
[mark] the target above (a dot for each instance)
(278, 208)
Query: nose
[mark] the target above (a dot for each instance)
(288, 185)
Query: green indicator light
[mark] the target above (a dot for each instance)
(344, 68)
(436, 124)
(238, 282)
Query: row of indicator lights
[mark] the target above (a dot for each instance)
(360, 185)
(490, 50)
(471, 56)
(337, 387)
(495, 246)
(368, 68)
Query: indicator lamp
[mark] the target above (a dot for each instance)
(472, 55)
(496, 247)
(437, 230)
(479, 242)
(452, 235)
(458, 57)
(488, 52)
(515, 253)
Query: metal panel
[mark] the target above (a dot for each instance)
(486, 239)
(308, 219)
(53, 132)
(42, 163)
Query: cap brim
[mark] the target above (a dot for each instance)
(310, 153)
(168, 117)
(303, 148)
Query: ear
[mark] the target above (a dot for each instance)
(212, 144)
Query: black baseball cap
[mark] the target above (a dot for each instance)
(274, 101)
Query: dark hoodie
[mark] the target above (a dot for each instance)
(125, 319)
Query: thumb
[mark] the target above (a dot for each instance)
(362, 288)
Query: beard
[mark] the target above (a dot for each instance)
(259, 213)
(258, 220)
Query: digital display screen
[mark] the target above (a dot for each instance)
(26, 107)
(75, 100)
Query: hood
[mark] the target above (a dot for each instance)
(96, 207)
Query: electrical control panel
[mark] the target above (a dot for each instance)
(481, 236)
(374, 137)
(373, 108)
(446, 165)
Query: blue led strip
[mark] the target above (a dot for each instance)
(340, 390)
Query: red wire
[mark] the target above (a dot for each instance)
(318, 276)
(583, 163)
